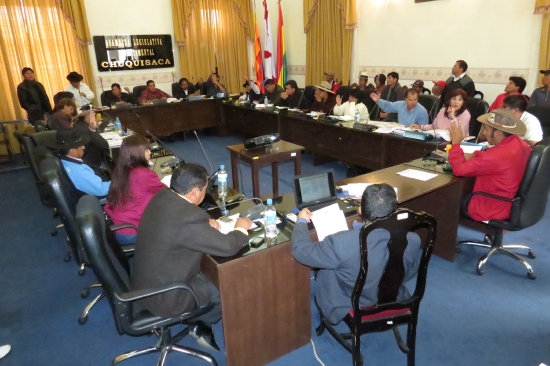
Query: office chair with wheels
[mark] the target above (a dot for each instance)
(389, 312)
(138, 89)
(111, 268)
(104, 95)
(476, 107)
(431, 104)
(527, 209)
(479, 95)
(543, 114)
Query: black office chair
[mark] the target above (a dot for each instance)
(527, 209)
(106, 94)
(476, 107)
(479, 95)
(112, 270)
(543, 114)
(138, 89)
(388, 313)
(431, 104)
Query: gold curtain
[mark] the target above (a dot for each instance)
(329, 25)
(35, 33)
(543, 7)
(207, 31)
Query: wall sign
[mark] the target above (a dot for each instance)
(133, 52)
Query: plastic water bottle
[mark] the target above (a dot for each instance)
(357, 115)
(222, 189)
(270, 223)
(266, 101)
(118, 126)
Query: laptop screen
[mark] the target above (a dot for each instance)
(314, 189)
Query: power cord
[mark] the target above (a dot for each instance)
(315, 353)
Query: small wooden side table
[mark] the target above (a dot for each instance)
(281, 151)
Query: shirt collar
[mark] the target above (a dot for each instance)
(456, 78)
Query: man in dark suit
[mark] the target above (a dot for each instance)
(338, 255)
(33, 97)
(459, 79)
(184, 89)
(173, 235)
(97, 149)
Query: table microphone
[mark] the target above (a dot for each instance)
(204, 152)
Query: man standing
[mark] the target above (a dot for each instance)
(518, 104)
(32, 97)
(339, 259)
(408, 111)
(459, 79)
(152, 93)
(498, 170)
(515, 86)
(82, 93)
(292, 97)
(329, 78)
(393, 92)
(541, 96)
(273, 91)
(172, 237)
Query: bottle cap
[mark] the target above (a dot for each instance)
(222, 167)
(269, 201)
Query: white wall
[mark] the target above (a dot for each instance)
(110, 17)
(488, 34)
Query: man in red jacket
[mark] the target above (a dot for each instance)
(498, 170)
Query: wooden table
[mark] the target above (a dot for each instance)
(281, 151)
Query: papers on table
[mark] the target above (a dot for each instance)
(417, 174)
(172, 100)
(315, 114)
(263, 106)
(227, 223)
(444, 134)
(345, 118)
(113, 139)
(329, 220)
(355, 190)
(470, 148)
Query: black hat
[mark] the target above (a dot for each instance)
(545, 72)
(74, 77)
(356, 93)
(70, 139)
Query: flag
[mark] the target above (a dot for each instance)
(269, 65)
(258, 67)
(281, 52)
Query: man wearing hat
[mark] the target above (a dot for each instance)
(418, 85)
(71, 144)
(253, 93)
(498, 170)
(82, 93)
(541, 96)
(329, 78)
(438, 88)
(325, 99)
(363, 80)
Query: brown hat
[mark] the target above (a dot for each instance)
(325, 85)
(331, 73)
(420, 83)
(504, 120)
(363, 75)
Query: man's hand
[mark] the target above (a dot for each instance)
(243, 223)
(375, 97)
(127, 89)
(468, 156)
(82, 94)
(317, 96)
(284, 95)
(338, 100)
(246, 78)
(93, 121)
(384, 114)
(305, 214)
(213, 223)
(457, 135)
(412, 125)
(451, 111)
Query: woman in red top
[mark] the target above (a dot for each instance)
(133, 185)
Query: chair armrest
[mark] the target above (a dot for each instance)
(132, 296)
(494, 196)
(122, 226)
(128, 250)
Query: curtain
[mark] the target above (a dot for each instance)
(210, 33)
(543, 7)
(35, 33)
(329, 25)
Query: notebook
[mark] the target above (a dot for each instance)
(315, 191)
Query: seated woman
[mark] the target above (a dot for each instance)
(62, 118)
(133, 185)
(454, 111)
(352, 106)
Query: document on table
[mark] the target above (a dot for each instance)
(227, 223)
(329, 220)
(417, 174)
(113, 139)
(355, 190)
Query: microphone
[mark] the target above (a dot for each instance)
(300, 100)
(204, 152)
(235, 200)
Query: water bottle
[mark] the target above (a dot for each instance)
(118, 126)
(222, 189)
(270, 223)
(266, 101)
(357, 115)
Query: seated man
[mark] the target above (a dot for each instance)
(97, 149)
(252, 93)
(292, 97)
(117, 97)
(329, 78)
(213, 87)
(273, 91)
(338, 257)
(185, 89)
(498, 170)
(325, 100)
(63, 116)
(88, 180)
(172, 237)
(541, 96)
(408, 110)
(152, 93)
(352, 106)
(518, 105)
(515, 86)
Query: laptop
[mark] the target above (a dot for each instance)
(315, 191)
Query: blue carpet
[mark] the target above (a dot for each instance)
(500, 318)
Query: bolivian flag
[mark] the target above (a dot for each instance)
(282, 70)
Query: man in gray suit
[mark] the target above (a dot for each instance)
(338, 255)
(173, 235)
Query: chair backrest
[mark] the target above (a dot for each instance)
(543, 114)
(532, 193)
(66, 196)
(398, 224)
(138, 89)
(476, 107)
(108, 261)
(177, 91)
(104, 95)
(429, 102)
(479, 95)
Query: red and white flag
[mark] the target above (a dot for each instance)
(269, 61)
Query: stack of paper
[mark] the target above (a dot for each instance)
(355, 190)
(329, 220)
(417, 174)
